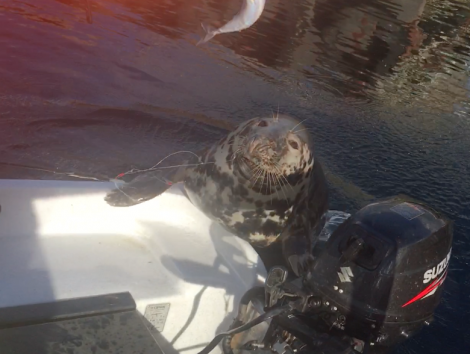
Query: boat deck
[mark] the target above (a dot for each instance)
(59, 240)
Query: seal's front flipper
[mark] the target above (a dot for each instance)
(145, 186)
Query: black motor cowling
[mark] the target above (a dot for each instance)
(382, 270)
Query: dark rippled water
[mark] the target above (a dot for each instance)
(95, 88)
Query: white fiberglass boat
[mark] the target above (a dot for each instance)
(77, 274)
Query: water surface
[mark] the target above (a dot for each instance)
(95, 88)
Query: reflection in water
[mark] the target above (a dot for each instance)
(382, 50)
(249, 13)
(398, 51)
(97, 87)
(394, 51)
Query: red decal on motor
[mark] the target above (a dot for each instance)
(434, 285)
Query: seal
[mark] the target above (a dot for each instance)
(262, 182)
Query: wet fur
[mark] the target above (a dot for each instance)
(261, 216)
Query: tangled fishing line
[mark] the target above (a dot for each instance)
(156, 168)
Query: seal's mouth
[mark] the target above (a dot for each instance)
(259, 158)
(260, 174)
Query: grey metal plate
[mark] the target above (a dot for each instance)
(115, 333)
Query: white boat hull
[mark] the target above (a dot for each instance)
(61, 240)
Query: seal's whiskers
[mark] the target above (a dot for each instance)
(257, 174)
(301, 130)
(292, 130)
(264, 179)
(283, 190)
(278, 168)
(276, 183)
(284, 182)
(281, 185)
(270, 190)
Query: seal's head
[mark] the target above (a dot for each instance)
(273, 148)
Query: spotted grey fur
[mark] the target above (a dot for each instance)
(232, 186)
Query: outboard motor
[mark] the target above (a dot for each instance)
(375, 283)
(382, 271)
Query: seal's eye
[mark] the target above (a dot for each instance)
(262, 124)
(294, 144)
